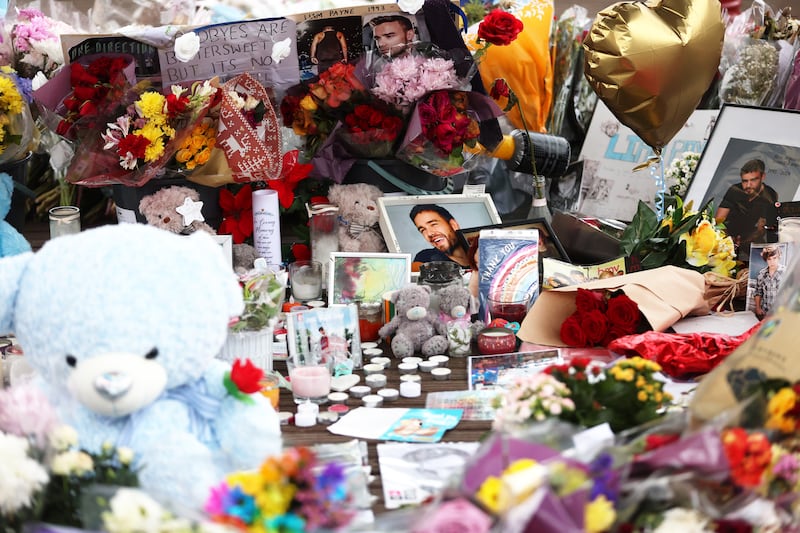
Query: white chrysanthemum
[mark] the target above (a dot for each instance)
(72, 462)
(63, 437)
(125, 455)
(20, 476)
(131, 510)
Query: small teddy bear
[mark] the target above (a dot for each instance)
(175, 209)
(11, 241)
(456, 305)
(413, 328)
(358, 217)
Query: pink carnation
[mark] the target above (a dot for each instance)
(404, 80)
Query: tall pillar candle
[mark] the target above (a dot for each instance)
(267, 226)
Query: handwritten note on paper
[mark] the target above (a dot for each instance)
(233, 48)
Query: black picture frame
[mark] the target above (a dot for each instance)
(552, 246)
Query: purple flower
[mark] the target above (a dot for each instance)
(332, 482)
(787, 468)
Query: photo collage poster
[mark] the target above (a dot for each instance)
(610, 186)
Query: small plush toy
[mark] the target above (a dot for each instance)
(456, 305)
(122, 324)
(358, 217)
(413, 328)
(11, 241)
(175, 209)
(244, 257)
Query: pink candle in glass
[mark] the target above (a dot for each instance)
(311, 382)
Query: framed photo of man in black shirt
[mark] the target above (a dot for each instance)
(750, 163)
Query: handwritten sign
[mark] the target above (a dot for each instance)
(230, 49)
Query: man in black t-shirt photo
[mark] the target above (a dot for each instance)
(748, 208)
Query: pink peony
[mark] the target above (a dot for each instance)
(26, 412)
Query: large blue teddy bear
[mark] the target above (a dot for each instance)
(122, 324)
(11, 241)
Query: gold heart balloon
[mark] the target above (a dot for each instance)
(651, 62)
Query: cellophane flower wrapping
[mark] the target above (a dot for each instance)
(16, 123)
(740, 468)
(249, 131)
(370, 130)
(313, 109)
(82, 95)
(570, 27)
(753, 76)
(403, 80)
(36, 42)
(529, 486)
(295, 491)
(140, 137)
(442, 124)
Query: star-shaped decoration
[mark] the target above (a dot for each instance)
(190, 210)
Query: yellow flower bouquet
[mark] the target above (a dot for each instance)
(16, 124)
(684, 237)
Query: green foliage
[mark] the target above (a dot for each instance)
(475, 11)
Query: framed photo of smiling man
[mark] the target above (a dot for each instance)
(429, 227)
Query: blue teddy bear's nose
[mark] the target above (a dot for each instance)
(112, 385)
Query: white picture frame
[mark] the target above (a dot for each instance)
(402, 236)
(354, 276)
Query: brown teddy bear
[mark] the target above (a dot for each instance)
(175, 209)
(358, 217)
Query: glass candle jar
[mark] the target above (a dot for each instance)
(64, 220)
(493, 341)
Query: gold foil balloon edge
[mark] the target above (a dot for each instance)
(652, 62)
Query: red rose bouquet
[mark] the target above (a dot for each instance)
(442, 124)
(82, 95)
(371, 129)
(600, 317)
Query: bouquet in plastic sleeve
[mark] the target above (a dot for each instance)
(570, 29)
(82, 95)
(313, 109)
(292, 492)
(141, 137)
(16, 123)
(758, 56)
(403, 80)
(36, 42)
(370, 130)
(528, 486)
(442, 124)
